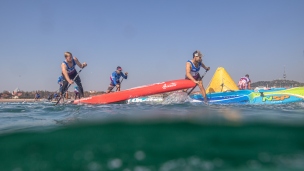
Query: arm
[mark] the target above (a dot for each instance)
(65, 73)
(204, 66)
(188, 74)
(81, 65)
(123, 75)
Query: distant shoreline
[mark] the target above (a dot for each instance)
(18, 100)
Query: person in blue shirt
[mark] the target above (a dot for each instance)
(115, 79)
(56, 96)
(60, 82)
(37, 95)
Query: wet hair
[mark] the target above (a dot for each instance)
(65, 54)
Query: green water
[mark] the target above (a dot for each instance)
(165, 146)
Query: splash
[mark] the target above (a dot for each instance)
(177, 98)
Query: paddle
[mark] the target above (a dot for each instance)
(196, 84)
(52, 94)
(119, 85)
(68, 87)
(115, 86)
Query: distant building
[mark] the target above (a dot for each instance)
(284, 74)
(14, 93)
(277, 83)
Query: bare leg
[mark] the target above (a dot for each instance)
(202, 89)
(118, 88)
(110, 88)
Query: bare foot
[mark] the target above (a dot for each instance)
(205, 100)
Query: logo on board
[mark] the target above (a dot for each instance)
(275, 98)
(169, 85)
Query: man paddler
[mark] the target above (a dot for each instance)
(37, 96)
(115, 79)
(244, 83)
(69, 72)
(192, 71)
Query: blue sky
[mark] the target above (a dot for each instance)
(152, 40)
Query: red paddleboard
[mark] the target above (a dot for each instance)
(145, 90)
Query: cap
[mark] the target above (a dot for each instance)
(119, 68)
(197, 53)
(246, 75)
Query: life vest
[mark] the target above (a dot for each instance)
(72, 69)
(194, 71)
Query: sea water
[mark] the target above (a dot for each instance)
(174, 135)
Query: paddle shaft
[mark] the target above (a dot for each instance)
(55, 92)
(119, 84)
(115, 86)
(68, 88)
(196, 84)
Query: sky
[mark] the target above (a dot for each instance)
(149, 39)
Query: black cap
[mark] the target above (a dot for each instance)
(119, 68)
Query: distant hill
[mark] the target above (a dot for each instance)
(277, 83)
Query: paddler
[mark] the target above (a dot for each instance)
(115, 79)
(60, 82)
(69, 72)
(244, 82)
(37, 96)
(192, 71)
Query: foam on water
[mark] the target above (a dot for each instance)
(177, 98)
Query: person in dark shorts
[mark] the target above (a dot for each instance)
(69, 72)
(192, 71)
(115, 79)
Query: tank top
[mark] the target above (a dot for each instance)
(194, 71)
(72, 69)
